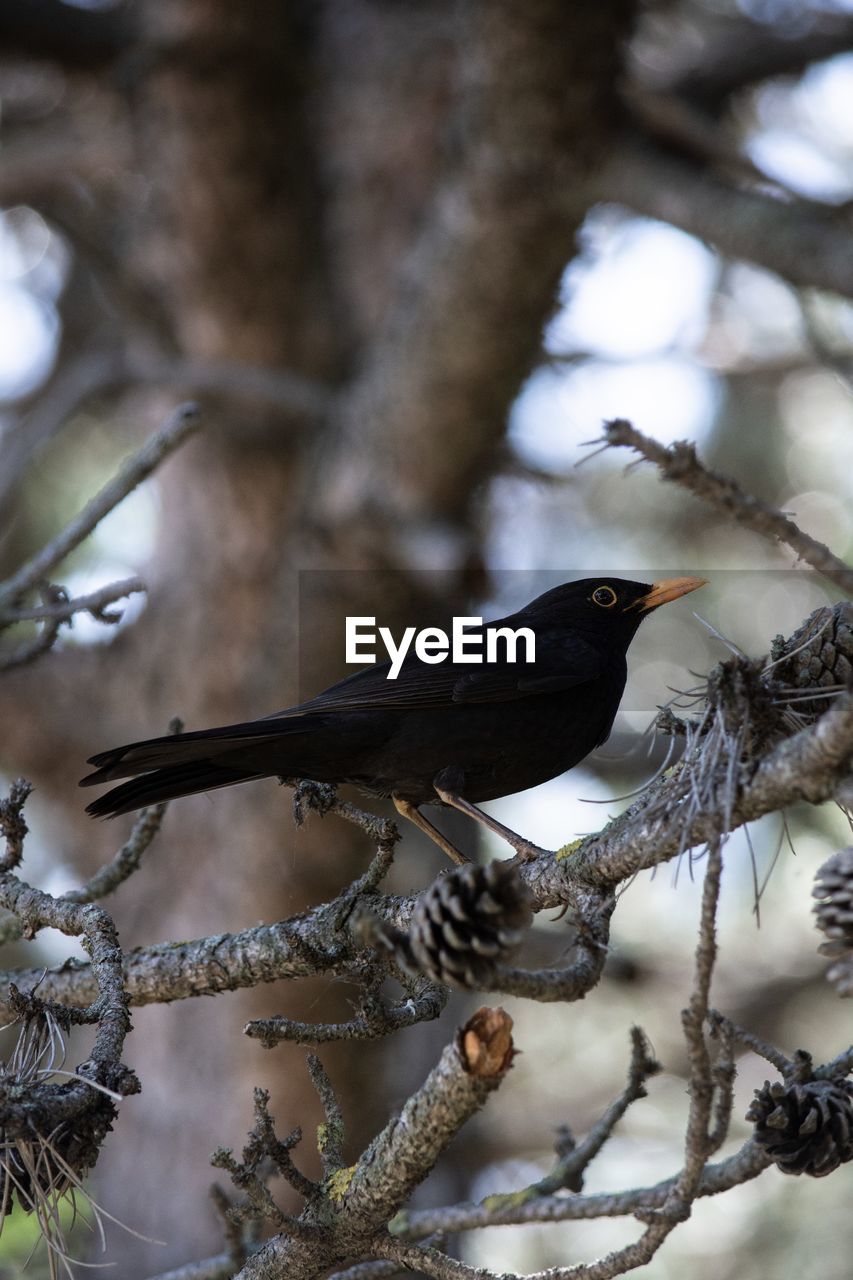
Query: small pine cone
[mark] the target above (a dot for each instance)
(825, 657)
(805, 1128)
(469, 921)
(840, 974)
(833, 888)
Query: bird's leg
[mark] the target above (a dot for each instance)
(524, 848)
(410, 811)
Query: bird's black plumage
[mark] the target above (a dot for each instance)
(438, 733)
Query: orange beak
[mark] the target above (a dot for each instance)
(665, 590)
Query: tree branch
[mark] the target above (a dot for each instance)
(806, 766)
(183, 423)
(735, 52)
(680, 464)
(416, 1224)
(797, 240)
(359, 1201)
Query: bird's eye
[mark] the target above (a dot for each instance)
(604, 596)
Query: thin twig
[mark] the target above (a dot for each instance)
(680, 464)
(114, 873)
(219, 1268)
(30, 650)
(330, 1136)
(415, 1224)
(764, 1050)
(380, 1022)
(573, 1160)
(697, 1142)
(63, 610)
(182, 424)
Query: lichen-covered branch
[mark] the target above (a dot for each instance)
(809, 765)
(342, 1215)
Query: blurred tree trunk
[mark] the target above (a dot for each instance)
(380, 198)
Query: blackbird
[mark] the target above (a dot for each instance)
(451, 733)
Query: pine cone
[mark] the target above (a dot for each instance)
(825, 657)
(467, 922)
(805, 1128)
(840, 974)
(833, 889)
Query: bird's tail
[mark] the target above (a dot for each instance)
(167, 784)
(182, 764)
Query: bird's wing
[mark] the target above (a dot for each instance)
(563, 660)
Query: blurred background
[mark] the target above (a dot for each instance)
(407, 258)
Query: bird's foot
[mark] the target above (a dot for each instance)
(526, 850)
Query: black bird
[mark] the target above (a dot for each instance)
(449, 733)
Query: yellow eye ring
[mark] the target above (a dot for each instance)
(605, 597)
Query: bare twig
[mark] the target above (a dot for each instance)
(573, 1160)
(13, 827)
(680, 464)
(592, 913)
(724, 1073)
(298, 396)
(183, 423)
(697, 1143)
(572, 1166)
(72, 384)
(110, 370)
(60, 610)
(233, 1229)
(416, 1224)
(23, 654)
(805, 244)
(50, 1130)
(371, 1025)
(330, 1137)
(810, 766)
(63, 610)
(219, 1268)
(264, 1154)
(108, 878)
(114, 873)
(683, 1189)
(764, 1050)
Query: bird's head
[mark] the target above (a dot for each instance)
(607, 606)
